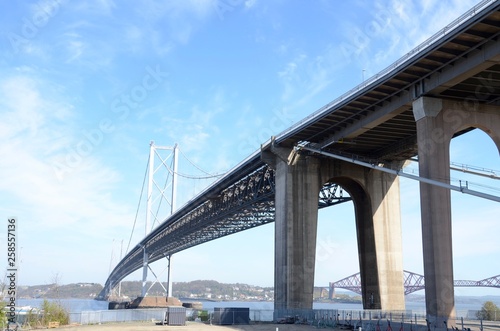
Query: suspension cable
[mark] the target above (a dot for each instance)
(170, 171)
(139, 204)
(209, 175)
(198, 177)
(161, 200)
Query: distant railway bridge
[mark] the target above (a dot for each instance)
(413, 282)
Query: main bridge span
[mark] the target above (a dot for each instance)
(445, 87)
(245, 204)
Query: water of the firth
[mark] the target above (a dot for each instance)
(78, 305)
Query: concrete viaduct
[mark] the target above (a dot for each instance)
(440, 91)
(445, 87)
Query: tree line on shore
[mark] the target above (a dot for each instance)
(489, 312)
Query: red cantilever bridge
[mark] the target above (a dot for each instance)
(412, 282)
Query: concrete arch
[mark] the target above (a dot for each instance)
(376, 194)
(484, 118)
(437, 121)
(365, 236)
(378, 230)
(494, 138)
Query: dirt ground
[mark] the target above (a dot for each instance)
(190, 326)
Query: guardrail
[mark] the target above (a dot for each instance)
(117, 315)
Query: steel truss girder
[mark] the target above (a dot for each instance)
(235, 206)
(244, 205)
(351, 283)
(331, 194)
(413, 282)
(487, 282)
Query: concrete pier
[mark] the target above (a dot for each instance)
(299, 179)
(378, 225)
(437, 121)
(297, 188)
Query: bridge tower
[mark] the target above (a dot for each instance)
(437, 121)
(159, 203)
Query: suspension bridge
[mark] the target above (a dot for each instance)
(445, 87)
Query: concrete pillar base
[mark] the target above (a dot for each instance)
(297, 188)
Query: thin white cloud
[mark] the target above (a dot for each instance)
(37, 128)
(249, 4)
(106, 5)
(75, 50)
(95, 7)
(199, 130)
(291, 77)
(307, 75)
(176, 9)
(399, 26)
(177, 20)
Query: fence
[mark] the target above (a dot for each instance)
(368, 320)
(117, 315)
(376, 320)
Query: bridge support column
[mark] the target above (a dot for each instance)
(145, 262)
(169, 273)
(331, 291)
(378, 225)
(437, 121)
(378, 220)
(297, 189)
(435, 205)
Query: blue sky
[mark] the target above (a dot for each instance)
(85, 86)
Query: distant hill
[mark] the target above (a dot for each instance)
(199, 289)
(203, 290)
(460, 299)
(196, 290)
(53, 291)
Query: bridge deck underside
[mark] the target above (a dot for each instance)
(378, 123)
